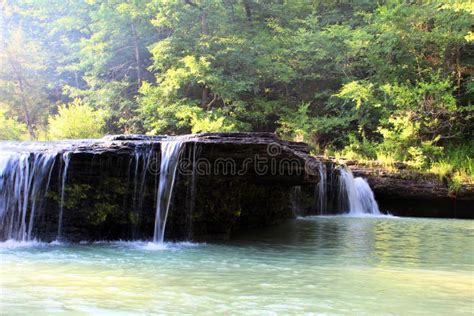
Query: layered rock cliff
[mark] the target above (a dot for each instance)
(107, 189)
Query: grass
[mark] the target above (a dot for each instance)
(441, 169)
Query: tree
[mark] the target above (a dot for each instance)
(342, 75)
(114, 60)
(23, 71)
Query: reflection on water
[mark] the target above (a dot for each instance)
(328, 265)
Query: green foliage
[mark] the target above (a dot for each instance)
(404, 142)
(24, 74)
(11, 129)
(461, 157)
(76, 120)
(388, 80)
(442, 169)
(298, 124)
(359, 92)
(360, 149)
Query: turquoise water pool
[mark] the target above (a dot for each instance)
(320, 265)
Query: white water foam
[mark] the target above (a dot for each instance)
(14, 244)
(358, 194)
(363, 215)
(146, 245)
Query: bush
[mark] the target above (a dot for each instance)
(10, 129)
(76, 120)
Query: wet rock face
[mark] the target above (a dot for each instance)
(229, 182)
(100, 201)
(224, 182)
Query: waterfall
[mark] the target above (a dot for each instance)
(41, 177)
(357, 194)
(24, 182)
(66, 157)
(296, 201)
(194, 153)
(322, 189)
(143, 158)
(170, 151)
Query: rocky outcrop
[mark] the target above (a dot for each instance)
(224, 182)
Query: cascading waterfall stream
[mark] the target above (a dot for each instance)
(25, 177)
(194, 153)
(322, 189)
(170, 151)
(24, 182)
(66, 157)
(41, 173)
(296, 201)
(143, 158)
(357, 193)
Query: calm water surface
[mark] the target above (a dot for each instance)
(332, 265)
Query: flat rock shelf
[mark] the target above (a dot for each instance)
(106, 189)
(200, 187)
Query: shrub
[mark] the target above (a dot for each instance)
(10, 129)
(76, 120)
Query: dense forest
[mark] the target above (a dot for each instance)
(388, 80)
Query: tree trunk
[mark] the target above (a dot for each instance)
(24, 100)
(204, 23)
(76, 79)
(137, 55)
(458, 73)
(248, 10)
(26, 112)
(204, 31)
(204, 97)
